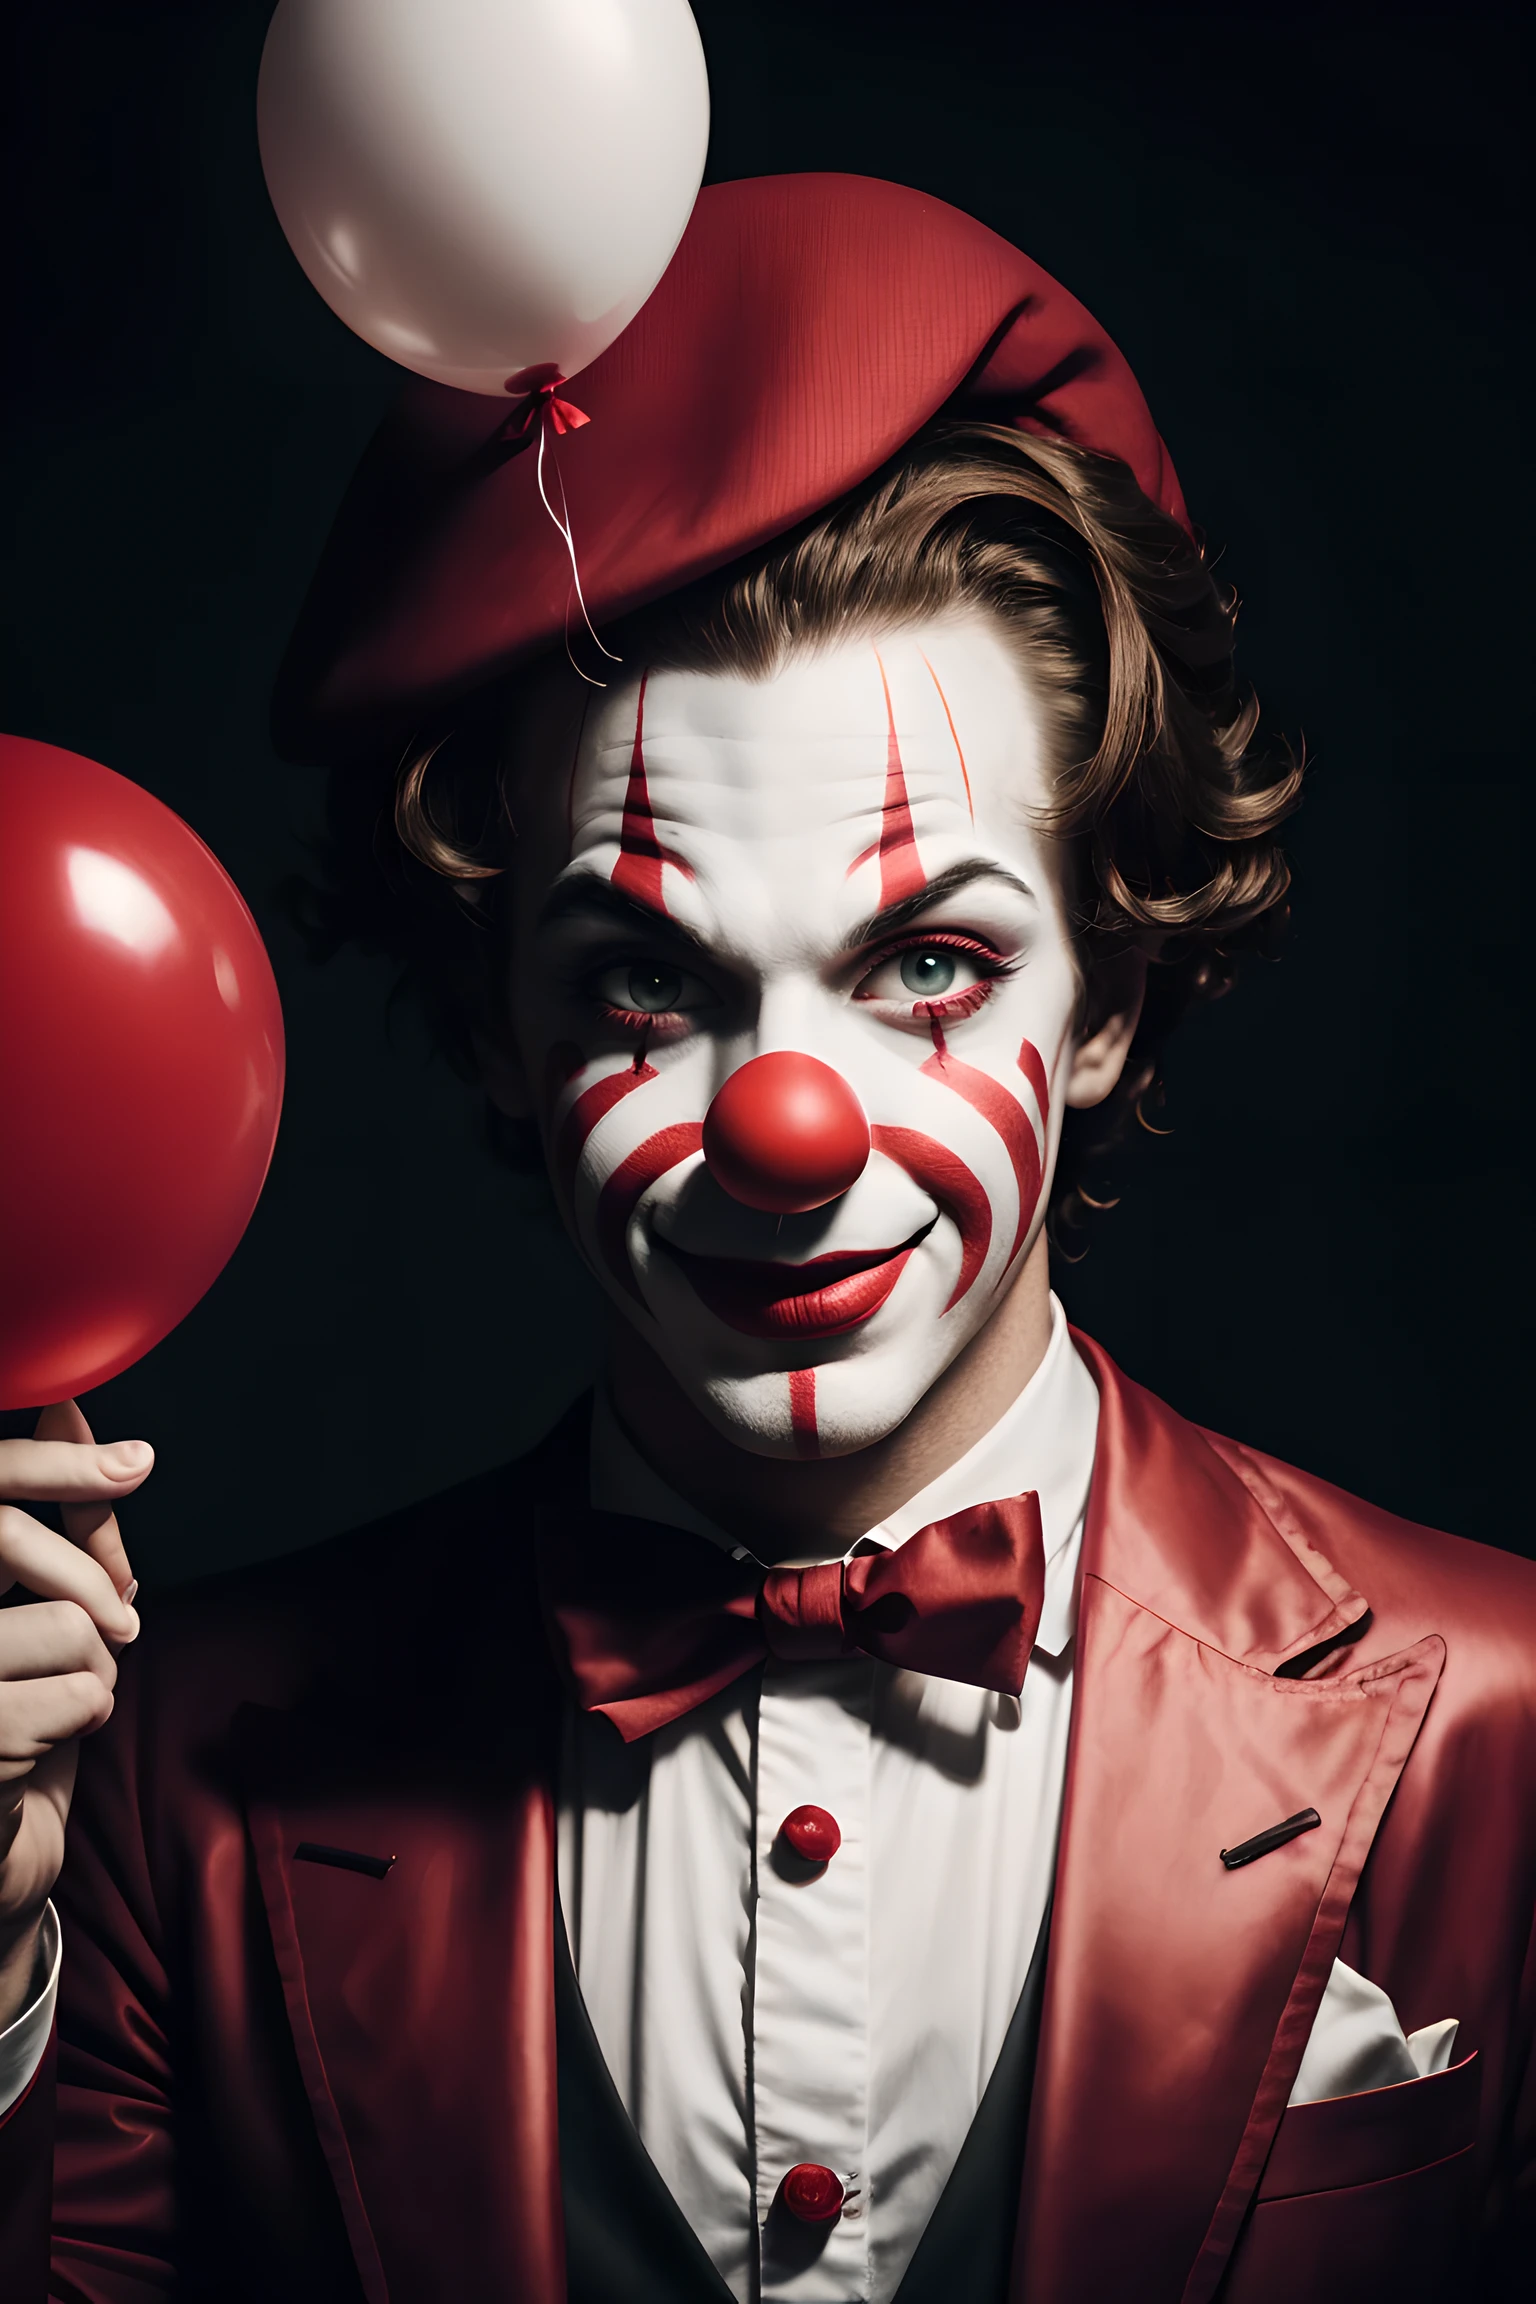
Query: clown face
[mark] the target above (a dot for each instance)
(824, 895)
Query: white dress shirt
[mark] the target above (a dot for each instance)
(752, 2021)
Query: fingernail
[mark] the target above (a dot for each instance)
(128, 1592)
(127, 1456)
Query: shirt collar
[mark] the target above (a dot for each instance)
(1044, 1439)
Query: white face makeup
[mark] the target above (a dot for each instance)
(837, 861)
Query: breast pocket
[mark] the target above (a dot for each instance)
(1363, 2197)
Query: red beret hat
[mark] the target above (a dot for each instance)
(805, 329)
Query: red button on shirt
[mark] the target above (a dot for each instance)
(812, 1833)
(811, 2192)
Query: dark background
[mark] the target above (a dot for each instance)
(1303, 228)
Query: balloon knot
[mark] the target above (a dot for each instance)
(539, 404)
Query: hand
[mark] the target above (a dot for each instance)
(58, 1656)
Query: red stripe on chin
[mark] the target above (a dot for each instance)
(802, 1411)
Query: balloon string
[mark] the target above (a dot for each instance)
(564, 526)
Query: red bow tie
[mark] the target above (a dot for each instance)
(650, 1621)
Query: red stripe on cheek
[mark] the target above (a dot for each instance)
(1007, 1115)
(632, 1178)
(641, 854)
(802, 1411)
(947, 1180)
(1032, 1065)
(592, 1105)
(901, 874)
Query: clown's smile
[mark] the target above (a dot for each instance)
(794, 971)
(824, 1296)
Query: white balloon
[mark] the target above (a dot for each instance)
(480, 186)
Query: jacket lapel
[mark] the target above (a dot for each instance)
(422, 2007)
(1180, 1995)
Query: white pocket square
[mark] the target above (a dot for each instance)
(1357, 2043)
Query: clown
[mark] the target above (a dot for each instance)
(876, 1807)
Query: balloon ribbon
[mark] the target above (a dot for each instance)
(544, 413)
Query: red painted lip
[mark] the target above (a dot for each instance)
(823, 1297)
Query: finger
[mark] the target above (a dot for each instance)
(13, 1794)
(49, 1780)
(52, 1636)
(55, 1569)
(92, 1526)
(65, 1420)
(35, 1715)
(63, 1472)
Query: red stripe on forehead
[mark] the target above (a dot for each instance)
(1007, 1115)
(641, 854)
(954, 731)
(901, 874)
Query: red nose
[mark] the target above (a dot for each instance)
(786, 1133)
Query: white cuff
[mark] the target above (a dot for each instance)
(22, 2043)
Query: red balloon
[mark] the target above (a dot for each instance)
(141, 1065)
(786, 1133)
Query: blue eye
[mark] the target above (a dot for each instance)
(926, 981)
(928, 974)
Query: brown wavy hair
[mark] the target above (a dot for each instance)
(1166, 799)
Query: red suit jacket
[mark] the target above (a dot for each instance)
(278, 2079)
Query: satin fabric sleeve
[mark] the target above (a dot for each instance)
(107, 2107)
(26, 2134)
(25, 2039)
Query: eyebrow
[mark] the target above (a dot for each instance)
(585, 894)
(949, 883)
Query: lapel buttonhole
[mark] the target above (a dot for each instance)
(345, 1859)
(1305, 1820)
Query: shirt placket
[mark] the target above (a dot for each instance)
(810, 2003)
